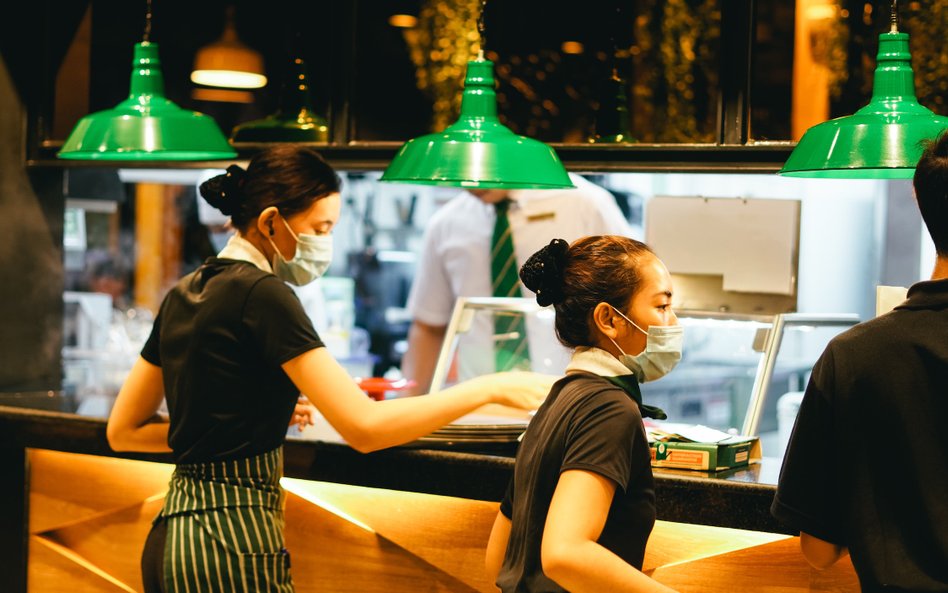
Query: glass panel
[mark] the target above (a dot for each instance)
(713, 383)
(553, 67)
(803, 340)
(471, 345)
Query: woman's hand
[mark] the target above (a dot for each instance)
(304, 414)
(517, 389)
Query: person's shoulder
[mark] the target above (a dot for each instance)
(592, 392)
(460, 208)
(244, 278)
(236, 272)
(587, 190)
(862, 344)
(882, 327)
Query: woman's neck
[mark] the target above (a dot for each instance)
(941, 268)
(259, 242)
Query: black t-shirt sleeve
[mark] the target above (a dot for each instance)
(151, 351)
(601, 437)
(807, 498)
(506, 504)
(276, 319)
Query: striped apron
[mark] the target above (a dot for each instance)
(225, 527)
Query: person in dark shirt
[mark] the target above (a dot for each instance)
(581, 504)
(866, 470)
(231, 350)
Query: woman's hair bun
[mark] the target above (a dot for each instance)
(543, 272)
(225, 191)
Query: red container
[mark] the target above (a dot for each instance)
(377, 387)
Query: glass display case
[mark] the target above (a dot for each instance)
(740, 373)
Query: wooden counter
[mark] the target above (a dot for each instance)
(361, 522)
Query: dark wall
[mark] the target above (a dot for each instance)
(31, 263)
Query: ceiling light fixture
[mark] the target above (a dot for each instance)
(477, 151)
(146, 126)
(295, 119)
(884, 139)
(228, 62)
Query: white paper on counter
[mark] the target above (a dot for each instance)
(696, 433)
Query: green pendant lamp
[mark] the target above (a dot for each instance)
(477, 151)
(884, 139)
(294, 121)
(146, 126)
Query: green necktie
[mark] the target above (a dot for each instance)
(510, 329)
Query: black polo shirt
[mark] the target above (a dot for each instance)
(220, 337)
(867, 464)
(586, 423)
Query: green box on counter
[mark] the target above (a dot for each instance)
(734, 452)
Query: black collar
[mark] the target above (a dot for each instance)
(929, 294)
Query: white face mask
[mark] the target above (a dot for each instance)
(662, 351)
(312, 258)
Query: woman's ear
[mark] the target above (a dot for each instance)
(604, 319)
(265, 221)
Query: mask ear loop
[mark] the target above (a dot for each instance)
(287, 225)
(634, 324)
(618, 347)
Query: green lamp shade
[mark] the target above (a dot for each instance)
(146, 126)
(305, 126)
(884, 139)
(477, 151)
(294, 121)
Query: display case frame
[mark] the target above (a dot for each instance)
(770, 331)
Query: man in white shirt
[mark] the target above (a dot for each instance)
(456, 257)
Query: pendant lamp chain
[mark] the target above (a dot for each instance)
(480, 30)
(147, 34)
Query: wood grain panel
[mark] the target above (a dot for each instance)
(776, 567)
(112, 541)
(68, 487)
(449, 533)
(54, 569)
(332, 553)
(674, 543)
(96, 513)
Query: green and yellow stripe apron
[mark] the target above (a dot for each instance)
(225, 527)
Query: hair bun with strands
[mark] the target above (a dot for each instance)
(224, 192)
(543, 272)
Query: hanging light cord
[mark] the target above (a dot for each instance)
(480, 30)
(147, 21)
(615, 44)
(894, 17)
